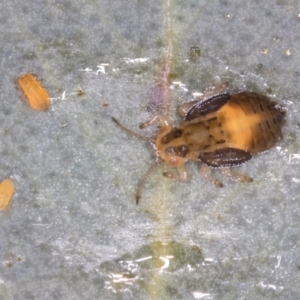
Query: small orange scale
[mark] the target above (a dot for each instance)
(6, 192)
(35, 94)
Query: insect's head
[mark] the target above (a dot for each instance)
(171, 146)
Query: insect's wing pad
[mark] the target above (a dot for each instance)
(202, 108)
(225, 157)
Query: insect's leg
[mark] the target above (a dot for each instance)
(142, 181)
(182, 174)
(149, 122)
(206, 171)
(234, 175)
(163, 119)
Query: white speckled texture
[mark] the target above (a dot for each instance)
(73, 224)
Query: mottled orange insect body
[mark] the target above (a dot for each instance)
(221, 131)
(225, 130)
(6, 192)
(35, 94)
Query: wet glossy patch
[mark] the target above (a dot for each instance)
(152, 269)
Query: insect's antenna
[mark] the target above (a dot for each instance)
(130, 131)
(142, 181)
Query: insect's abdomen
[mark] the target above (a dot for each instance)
(251, 122)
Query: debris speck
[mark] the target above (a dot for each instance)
(265, 51)
(288, 52)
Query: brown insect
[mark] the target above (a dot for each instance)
(6, 192)
(222, 131)
(35, 94)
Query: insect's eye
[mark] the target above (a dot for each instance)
(182, 150)
(170, 151)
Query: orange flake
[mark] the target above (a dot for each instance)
(6, 191)
(36, 95)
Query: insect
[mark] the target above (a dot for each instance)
(222, 131)
(6, 191)
(35, 94)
